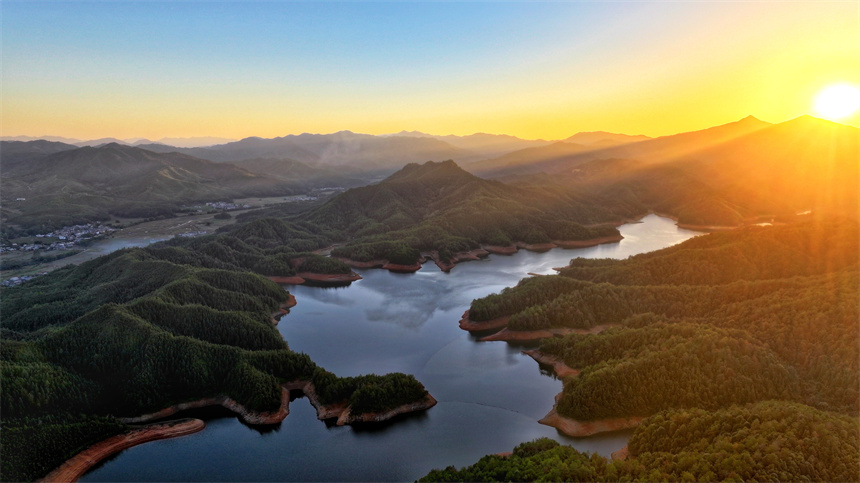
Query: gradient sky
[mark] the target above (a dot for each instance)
(535, 70)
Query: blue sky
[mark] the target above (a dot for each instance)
(237, 68)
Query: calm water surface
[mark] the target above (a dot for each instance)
(490, 395)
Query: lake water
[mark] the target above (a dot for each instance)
(490, 395)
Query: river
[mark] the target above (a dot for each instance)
(490, 395)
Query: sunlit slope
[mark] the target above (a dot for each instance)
(805, 164)
(802, 164)
(552, 160)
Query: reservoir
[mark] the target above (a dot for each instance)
(490, 394)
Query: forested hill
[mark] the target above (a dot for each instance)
(750, 253)
(141, 329)
(769, 441)
(438, 206)
(791, 288)
(742, 346)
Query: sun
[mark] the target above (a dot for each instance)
(837, 101)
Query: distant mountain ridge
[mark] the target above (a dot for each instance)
(188, 142)
(66, 186)
(729, 174)
(603, 138)
(483, 144)
(553, 159)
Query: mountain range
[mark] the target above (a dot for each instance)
(724, 175)
(717, 176)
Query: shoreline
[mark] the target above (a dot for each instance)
(622, 454)
(447, 265)
(580, 429)
(284, 309)
(245, 414)
(341, 411)
(561, 369)
(346, 417)
(470, 325)
(79, 464)
(319, 278)
(76, 466)
(508, 335)
(471, 255)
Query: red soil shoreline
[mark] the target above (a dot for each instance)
(447, 265)
(476, 254)
(79, 464)
(507, 334)
(561, 369)
(302, 277)
(396, 267)
(284, 309)
(622, 454)
(579, 429)
(468, 324)
(76, 466)
(341, 411)
(248, 416)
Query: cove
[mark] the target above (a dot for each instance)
(490, 394)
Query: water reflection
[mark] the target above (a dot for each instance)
(490, 394)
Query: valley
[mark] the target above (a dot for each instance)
(173, 312)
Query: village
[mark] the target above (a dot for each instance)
(61, 239)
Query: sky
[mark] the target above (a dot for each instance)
(544, 70)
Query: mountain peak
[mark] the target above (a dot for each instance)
(441, 171)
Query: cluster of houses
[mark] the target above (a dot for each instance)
(65, 238)
(225, 206)
(190, 234)
(19, 280)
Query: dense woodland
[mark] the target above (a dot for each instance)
(633, 372)
(704, 332)
(766, 441)
(802, 309)
(142, 329)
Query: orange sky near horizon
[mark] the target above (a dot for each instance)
(652, 69)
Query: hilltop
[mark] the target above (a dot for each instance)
(440, 207)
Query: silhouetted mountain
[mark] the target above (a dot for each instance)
(523, 161)
(344, 149)
(295, 171)
(660, 149)
(102, 142)
(604, 139)
(798, 165)
(13, 152)
(194, 142)
(56, 139)
(482, 144)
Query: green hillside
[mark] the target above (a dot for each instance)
(768, 441)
